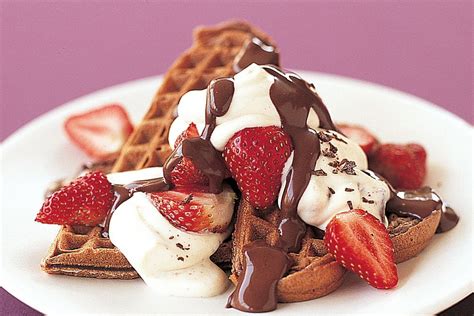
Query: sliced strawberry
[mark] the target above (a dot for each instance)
(85, 201)
(255, 158)
(186, 173)
(404, 166)
(360, 135)
(191, 209)
(361, 244)
(101, 132)
(190, 132)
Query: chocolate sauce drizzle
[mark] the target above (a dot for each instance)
(293, 99)
(123, 192)
(269, 264)
(256, 51)
(418, 204)
(200, 149)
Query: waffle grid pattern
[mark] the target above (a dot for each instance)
(212, 56)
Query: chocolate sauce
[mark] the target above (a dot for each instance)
(256, 51)
(265, 265)
(123, 192)
(200, 149)
(418, 204)
(293, 99)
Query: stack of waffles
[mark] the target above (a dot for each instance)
(82, 251)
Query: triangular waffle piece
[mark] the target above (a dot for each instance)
(211, 56)
(314, 272)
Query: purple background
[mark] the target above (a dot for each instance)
(54, 52)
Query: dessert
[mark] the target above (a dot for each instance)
(260, 139)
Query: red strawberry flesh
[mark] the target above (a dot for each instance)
(361, 243)
(186, 173)
(190, 209)
(85, 201)
(404, 166)
(255, 158)
(360, 135)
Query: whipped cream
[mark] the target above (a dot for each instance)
(171, 261)
(329, 193)
(252, 106)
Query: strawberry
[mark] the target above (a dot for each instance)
(190, 132)
(361, 244)
(360, 135)
(85, 201)
(404, 166)
(101, 132)
(255, 158)
(186, 173)
(192, 209)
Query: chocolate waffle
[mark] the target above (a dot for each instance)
(82, 251)
(212, 56)
(85, 253)
(410, 236)
(314, 272)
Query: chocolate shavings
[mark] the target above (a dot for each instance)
(319, 172)
(367, 201)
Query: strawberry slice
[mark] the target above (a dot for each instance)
(360, 135)
(404, 166)
(192, 209)
(255, 158)
(360, 242)
(186, 173)
(100, 133)
(85, 201)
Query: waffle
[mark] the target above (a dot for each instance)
(76, 251)
(212, 56)
(410, 236)
(83, 253)
(314, 272)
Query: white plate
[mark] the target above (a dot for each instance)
(39, 153)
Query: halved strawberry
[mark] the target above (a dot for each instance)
(185, 173)
(190, 132)
(85, 201)
(255, 158)
(101, 132)
(361, 244)
(404, 166)
(192, 209)
(360, 135)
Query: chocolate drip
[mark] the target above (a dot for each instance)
(123, 192)
(199, 149)
(258, 52)
(418, 204)
(293, 99)
(263, 264)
